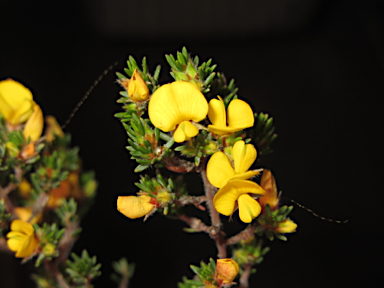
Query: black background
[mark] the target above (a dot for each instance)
(322, 81)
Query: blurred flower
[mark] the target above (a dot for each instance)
(35, 124)
(53, 129)
(16, 104)
(25, 214)
(22, 239)
(226, 270)
(49, 249)
(173, 106)
(25, 188)
(68, 187)
(238, 117)
(134, 206)
(286, 226)
(268, 183)
(137, 89)
(57, 195)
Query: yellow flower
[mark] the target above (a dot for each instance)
(35, 124)
(137, 89)
(16, 104)
(174, 106)
(134, 206)
(234, 188)
(286, 226)
(220, 170)
(22, 239)
(53, 129)
(226, 270)
(268, 183)
(238, 117)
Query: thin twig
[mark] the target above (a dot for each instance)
(244, 279)
(247, 233)
(195, 223)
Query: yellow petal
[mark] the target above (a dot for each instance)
(246, 175)
(219, 169)
(216, 112)
(240, 115)
(269, 185)
(185, 131)
(15, 101)
(225, 199)
(249, 208)
(176, 102)
(134, 206)
(137, 89)
(22, 226)
(226, 270)
(27, 247)
(244, 155)
(15, 243)
(35, 124)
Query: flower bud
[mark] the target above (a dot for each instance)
(286, 226)
(137, 89)
(49, 249)
(226, 270)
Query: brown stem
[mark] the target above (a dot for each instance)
(59, 277)
(216, 232)
(67, 242)
(246, 234)
(195, 224)
(244, 279)
(124, 281)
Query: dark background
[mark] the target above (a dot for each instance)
(315, 66)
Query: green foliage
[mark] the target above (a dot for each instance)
(82, 270)
(144, 143)
(4, 217)
(67, 212)
(269, 221)
(205, 273)
(123, 271)
(227, 91)
(50, 236)
(186, 68)
(250, 253)
(263, 133)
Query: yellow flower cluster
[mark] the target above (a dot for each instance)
(17, 107)
(178, 107)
